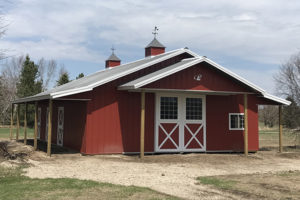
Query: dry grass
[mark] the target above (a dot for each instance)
(282, 185)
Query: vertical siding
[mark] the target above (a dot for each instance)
(212, 80)
(74, 122)
(218, 135)
(113, 117)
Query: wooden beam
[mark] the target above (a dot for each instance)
(246, 124)
(142, 138)
(280, 129)
(18, 122)
(49, 127)
(11, 122)
(25, 124)
(35, 125)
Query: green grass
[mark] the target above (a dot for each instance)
(4, 133)
(218, 183)
(13, 185)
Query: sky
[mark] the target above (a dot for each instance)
(251, 38)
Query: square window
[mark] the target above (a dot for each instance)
(193, 108)
(236, 121)
(168, 107)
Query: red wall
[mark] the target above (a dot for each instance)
(110, 121)
(112, 63)
(153, 51)
(218, 135)
(74, 122)
(113, 116)
(212, 80)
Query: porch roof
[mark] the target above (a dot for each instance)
(186, 63)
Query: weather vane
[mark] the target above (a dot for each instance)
(155, 31)
(113, 49)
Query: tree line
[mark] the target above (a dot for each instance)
(287, 84)
(21, 77)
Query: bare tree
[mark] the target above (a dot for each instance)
(268, 115)
(9, 78)
(2, 32)
(288, 78)
(47, 70)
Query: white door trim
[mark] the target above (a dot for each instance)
(181, 121)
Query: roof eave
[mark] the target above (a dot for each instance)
(31, 99)
(276, 99)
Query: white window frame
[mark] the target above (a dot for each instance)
(229, 119)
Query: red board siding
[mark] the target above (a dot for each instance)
(113, 126)
(112, 63)
(153, 51)
(211, 80)
(218, 135)
(113, 116)
(74, 122)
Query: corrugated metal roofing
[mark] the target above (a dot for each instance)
(89, 82)
(155, 43)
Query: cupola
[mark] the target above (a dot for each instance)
(154, 47)
(112, 60)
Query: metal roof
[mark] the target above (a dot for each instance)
(113, 57)
(186, 63)
(155, 43)
(89, 82)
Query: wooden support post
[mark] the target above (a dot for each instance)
(245, 124)
(18, 122)
(49, 127)
(280, 129)
(11, 122)
(142, 141)
(25, 124)
(35, 126)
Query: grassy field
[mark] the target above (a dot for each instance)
(269, 137)
(13, 185)
(4, 133)
(283, 185)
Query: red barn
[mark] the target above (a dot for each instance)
(174, 101)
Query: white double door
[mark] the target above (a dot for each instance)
(180, 123)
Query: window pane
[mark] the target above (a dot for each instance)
(234, 121)
(194, 108)
(237, 121)
(168, 107)
(241, 121)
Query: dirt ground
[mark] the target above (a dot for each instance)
(174, 174)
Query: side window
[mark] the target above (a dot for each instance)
(168, 107)
(236, 121)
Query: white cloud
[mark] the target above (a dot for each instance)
(258, 31)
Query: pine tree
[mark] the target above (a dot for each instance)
(63, 79)
(28, 86)
(80, 76)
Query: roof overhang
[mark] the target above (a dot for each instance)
(150, 78)
(31, 99)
